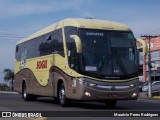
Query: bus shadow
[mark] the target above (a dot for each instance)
(83, 105)
(93, 106)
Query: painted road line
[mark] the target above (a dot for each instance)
(156, 97)
(9, 92)
(42, 118)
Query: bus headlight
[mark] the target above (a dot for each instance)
(132, 85)
(134, 94)
(89, 84)
(86, 83)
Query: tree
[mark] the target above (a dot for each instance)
(8, 75)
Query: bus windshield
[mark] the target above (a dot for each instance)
(108, 54)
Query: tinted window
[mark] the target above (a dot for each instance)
(57, 41)
(121, 39)
(70, 44)
(49, 43)
(53, 43)
(108, 54)
(69, 31)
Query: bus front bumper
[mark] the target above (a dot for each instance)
(100, 91)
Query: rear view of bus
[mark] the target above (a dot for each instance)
(98, 63)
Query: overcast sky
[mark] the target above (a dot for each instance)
(20, 18)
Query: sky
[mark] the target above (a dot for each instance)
(21, 18)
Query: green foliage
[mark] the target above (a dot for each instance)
(8, 74)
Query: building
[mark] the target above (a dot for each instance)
(155, 59)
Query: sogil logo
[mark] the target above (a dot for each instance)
(41, 64)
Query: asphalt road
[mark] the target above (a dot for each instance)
(13, 102)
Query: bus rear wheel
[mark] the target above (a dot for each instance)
(25, 95)
(110, 103)
(62, 96)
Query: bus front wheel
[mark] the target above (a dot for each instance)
(62, 96)
(110, 103)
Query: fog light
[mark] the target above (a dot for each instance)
(87, 94)
(132, 85)
(134, 94)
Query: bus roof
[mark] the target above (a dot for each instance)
(81, 23)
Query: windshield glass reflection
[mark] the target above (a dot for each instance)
(109, 54)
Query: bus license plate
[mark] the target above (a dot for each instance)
(112, 95)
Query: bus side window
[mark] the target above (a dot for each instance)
(46, 45)
(55, 46)
(18, 52)
(48, 37)
(57, 42)
(17, 48)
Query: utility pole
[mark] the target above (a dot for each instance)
(149, 64)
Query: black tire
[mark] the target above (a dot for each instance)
(24, 92)
(110, 103)
(62, 96)
(25, 96)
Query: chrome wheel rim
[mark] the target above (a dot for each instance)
(24, 93)
(62, 96)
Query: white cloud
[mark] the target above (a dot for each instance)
(12, 10)
(8, 9)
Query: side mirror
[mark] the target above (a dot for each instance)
(144, 45)
(78, 43)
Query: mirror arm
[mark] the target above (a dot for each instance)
(78, 43)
